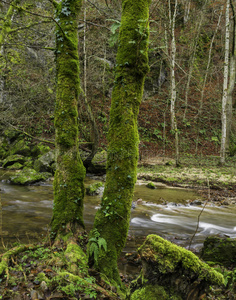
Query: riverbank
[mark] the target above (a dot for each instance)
(203, 175)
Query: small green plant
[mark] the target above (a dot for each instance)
(96, 243)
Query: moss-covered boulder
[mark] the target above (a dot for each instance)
(150, 292)
(180, 272)
(98, 163)
(219, 251)
(45, 162)
(3, 147)
(20, 147)
(29, 176)
(11, 134)
(96, 188)
(151, 185)
(15, 166)
(12, 159)
(40, 149)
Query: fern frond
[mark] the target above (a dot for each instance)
(102, 243)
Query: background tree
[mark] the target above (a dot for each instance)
(225, 87)
(112, 219)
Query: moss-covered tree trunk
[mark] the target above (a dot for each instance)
(5, 26)
(70, 172)
(112, 219)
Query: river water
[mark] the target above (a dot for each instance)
(27, 210)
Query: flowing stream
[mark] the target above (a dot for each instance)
(27, 210)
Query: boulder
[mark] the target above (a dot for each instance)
(12, 159)
(40, 149)
(172, 272)
(29, 176)
(98, 163)
(20, 147)
(45, 162)
(151, 185)
(219, 251)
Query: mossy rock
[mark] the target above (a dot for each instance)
(44, 163)
(29, 176)
(151, 185)
(40, 149)
(4, 146)
(175, 268)
(155, 292)
(95, 189)
(98, 163)
(220, 251)
(11, 134)
(12, 159)
(15, 166)
(20, 147)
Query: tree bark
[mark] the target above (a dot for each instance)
(70, 172)
(232, 76)
(112, 219)
(225, 87)
(6, 25)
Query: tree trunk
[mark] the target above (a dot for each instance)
(172, 68)
(112, 219)
(70, 172)
(225, 87)
(232, 76)
(6, 25)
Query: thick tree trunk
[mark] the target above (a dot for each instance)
(112, 219)
(70, 172)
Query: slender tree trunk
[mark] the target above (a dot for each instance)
(225, 87)
(172, 19)
(112, 219)
(68, 182)
(94, 135)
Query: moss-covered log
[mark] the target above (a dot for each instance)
(112, 219)
(70, 172)
(173, 271)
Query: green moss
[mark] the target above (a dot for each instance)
(220, 251)
(20, 147)
(40, 149)
(151, 185)
(93, 189)
(76, 258)
(155, 292)
(28, 176)
(15, 166)
(12, 159)
(169, 256)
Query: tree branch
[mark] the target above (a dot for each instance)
(28, 26)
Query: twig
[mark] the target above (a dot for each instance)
(198, 218)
